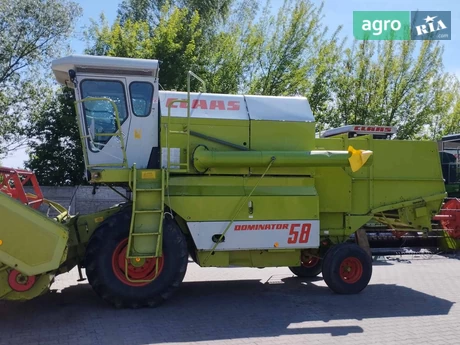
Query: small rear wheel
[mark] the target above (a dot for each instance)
(106, 266)
(347, 268)
(310, 267)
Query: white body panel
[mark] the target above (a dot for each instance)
(247, 235)
(238, 107)
(273, 108)
(143, 131)
(204, 105)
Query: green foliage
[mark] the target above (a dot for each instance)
(390, 83)
(151, 11)
(174, 40)
(56, 153)
(448, 119)
(31, 33)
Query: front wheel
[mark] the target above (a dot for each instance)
(309, 268)
(106, 266)
(347, 268)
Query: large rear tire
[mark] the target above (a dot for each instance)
(347, 268)
(105, 265)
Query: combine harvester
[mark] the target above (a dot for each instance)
(230, 180)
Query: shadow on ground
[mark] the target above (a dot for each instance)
(215, 310)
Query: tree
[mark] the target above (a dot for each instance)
(174, 42)
(152, 11)
(448, 120)
(31, 33)
(56, 152)
(389, 83)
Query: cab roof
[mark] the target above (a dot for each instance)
(102, 64)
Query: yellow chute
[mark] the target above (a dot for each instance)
(358, 158)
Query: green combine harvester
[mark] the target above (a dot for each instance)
(229, 180)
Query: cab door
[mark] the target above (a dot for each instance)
(143, 146)
(98, 120)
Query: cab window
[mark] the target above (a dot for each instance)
(141, 98)
(100, 114)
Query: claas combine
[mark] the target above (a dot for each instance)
(228, 180)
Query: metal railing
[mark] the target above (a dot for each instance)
(186, 130)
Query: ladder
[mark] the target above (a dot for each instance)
(146, 230)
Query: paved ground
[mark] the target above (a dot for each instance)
(407, 302)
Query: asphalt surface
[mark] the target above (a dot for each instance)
(412, 301)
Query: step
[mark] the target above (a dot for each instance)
(149, 190)
(148, 211)
(145, 234)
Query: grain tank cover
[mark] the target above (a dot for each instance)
(275, 108)
(205, 105)
(238, 107)
(102, 65)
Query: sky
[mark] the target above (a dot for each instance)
(336, 12)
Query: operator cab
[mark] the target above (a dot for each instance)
(117, 103)
(377, 132)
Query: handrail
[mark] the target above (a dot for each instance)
(186, 129)
(189, 75)
(118, 133)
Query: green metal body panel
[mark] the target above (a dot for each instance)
(31, 243)
(273, 136)
(250, 258)
(234, 132)
(215, 198)
(405, 176)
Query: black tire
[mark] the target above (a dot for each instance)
(307, 270)
(101, 275)
(352, 256)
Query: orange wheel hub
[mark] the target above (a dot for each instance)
(310, 262)
(144, 271)
(351, 270)
(19, 282)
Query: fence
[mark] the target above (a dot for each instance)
(82, 199)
